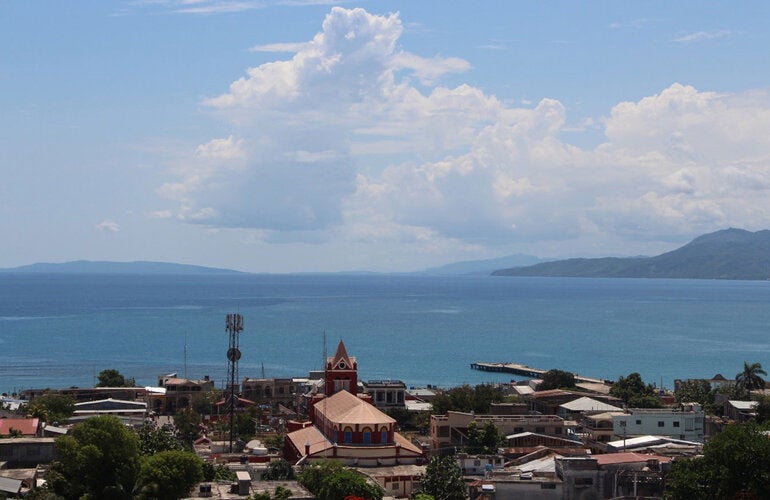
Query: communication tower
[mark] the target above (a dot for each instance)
(234, 326)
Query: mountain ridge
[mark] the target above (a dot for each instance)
(732, 253)
(112, 267)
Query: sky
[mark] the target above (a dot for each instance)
(290, 135)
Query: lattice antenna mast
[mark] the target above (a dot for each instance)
(234, 326)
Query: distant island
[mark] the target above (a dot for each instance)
(104, 267)
(730, 254)
(484, 266)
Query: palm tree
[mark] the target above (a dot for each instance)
(749, 379)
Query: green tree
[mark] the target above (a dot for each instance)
(557, 379)
(484, 439)
(750, 378)
(694, 391)
(42, 493)
(205, 403)
(280, 493)
(52, 408)
(635, 393)
(98, 459)
(274, 441)
(467, 399)
(443, 479)
(329, 480)
(245, 423)
(735, 464)
(278, 470)
(13, 433)
(219, 472)
(153, 440)
(169, 475)
(187, 422)
(113, 378)
(763, 409)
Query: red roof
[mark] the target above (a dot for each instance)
(27, 426)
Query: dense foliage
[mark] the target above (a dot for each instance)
(98, 459)
(102, 458)
(635, 393)
(557, 379)
(406, 420)
(443, 479)
(219, 472)
(485, 439)
(735, 464)
(52, 408)
(153, 439)
(280, 493)
(277, 470)
(187, 423)
(467, 399)
(330, 480)
(168, 475)
(113, 378)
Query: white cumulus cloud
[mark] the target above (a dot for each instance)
(354, 138)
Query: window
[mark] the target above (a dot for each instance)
(348, 435)
(540, 430)
(384, 437)
(661, 423)
(367, 434)
(676, 424)
(394, 486)
(638, 422)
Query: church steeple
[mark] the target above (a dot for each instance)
(341, 372)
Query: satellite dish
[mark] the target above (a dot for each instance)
(233, 354)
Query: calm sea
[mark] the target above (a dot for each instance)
(61, 330)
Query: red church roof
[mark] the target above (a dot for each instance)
(345, 408)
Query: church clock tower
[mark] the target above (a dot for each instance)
(341, 372)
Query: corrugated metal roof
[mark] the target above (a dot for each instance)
(9, 485)
(588, 404)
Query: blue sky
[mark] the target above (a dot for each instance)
(279, 136)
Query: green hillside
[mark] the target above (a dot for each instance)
(728, 254)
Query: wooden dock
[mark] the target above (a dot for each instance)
(526, 371)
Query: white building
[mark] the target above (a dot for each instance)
(686, 423)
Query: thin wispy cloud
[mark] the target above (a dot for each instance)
(279, 47)
(634, 23)
(108, 225)
(200, 7)
(702, 36)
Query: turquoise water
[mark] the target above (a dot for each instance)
(61, 330)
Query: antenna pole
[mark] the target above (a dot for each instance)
(233, 326)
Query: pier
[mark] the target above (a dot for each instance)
(526, 371)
